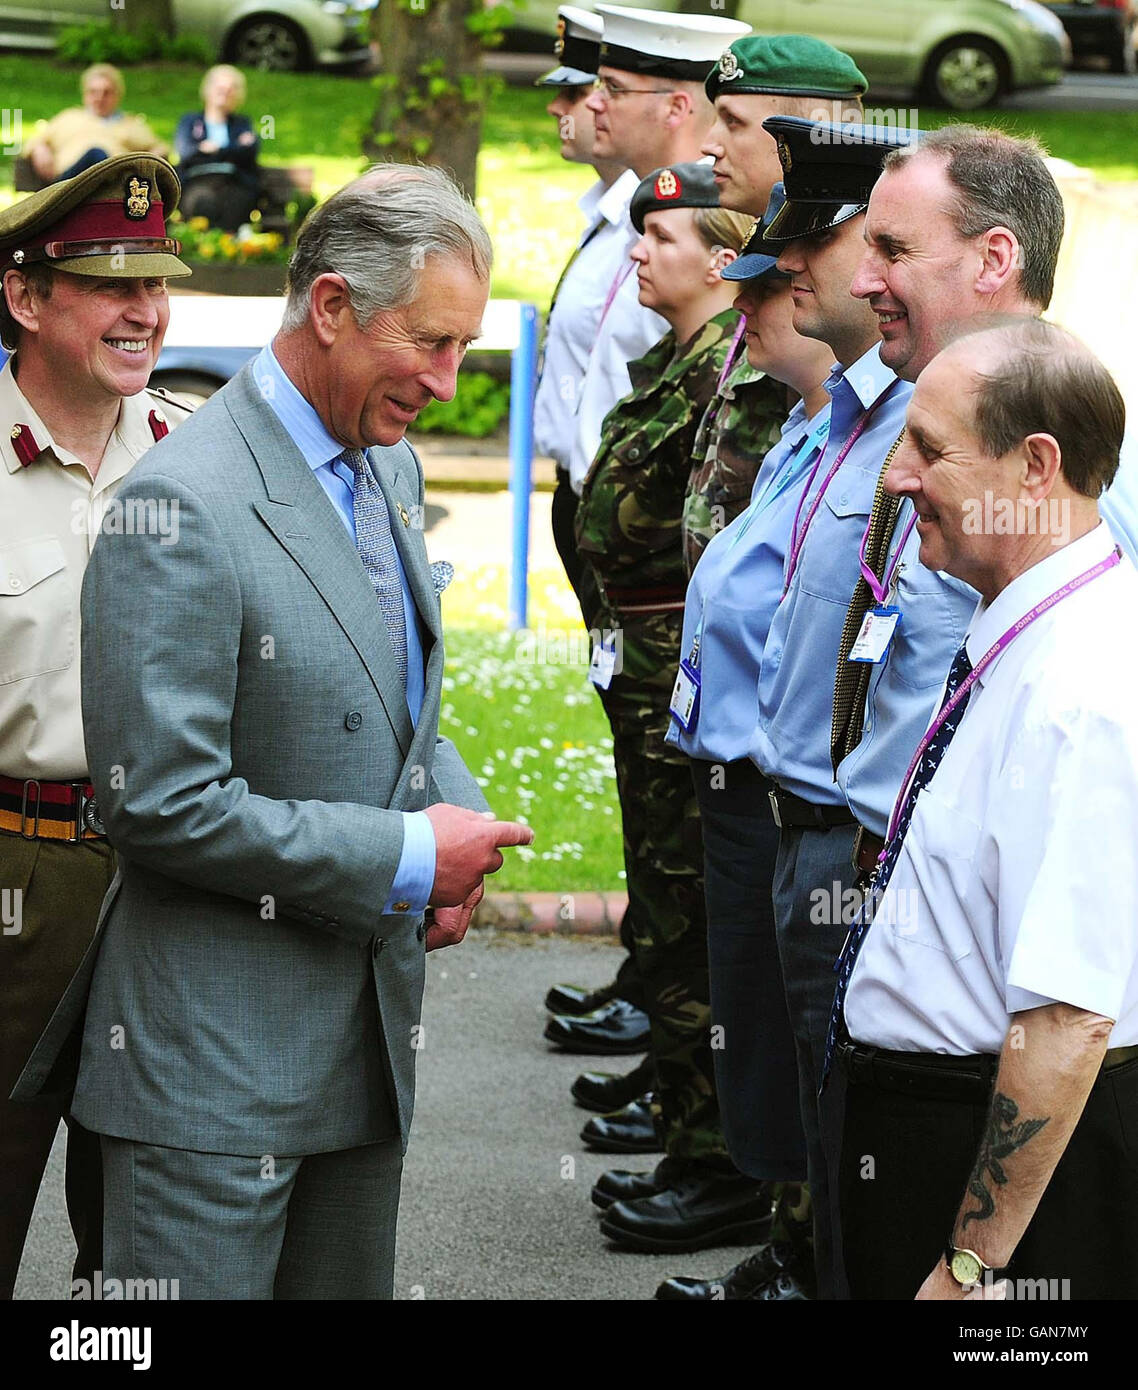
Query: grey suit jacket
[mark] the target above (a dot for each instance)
(250, 744)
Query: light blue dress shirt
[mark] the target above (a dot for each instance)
(734, 591)
(415, 875)
(791, 740)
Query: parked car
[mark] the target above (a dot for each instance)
(277, 34)
(1099, 29)
(957, 53)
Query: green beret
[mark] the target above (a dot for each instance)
(108, 221)
(792, 65)
(673, 186)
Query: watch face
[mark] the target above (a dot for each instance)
(966, 1268)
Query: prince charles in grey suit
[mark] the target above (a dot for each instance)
(261, 699)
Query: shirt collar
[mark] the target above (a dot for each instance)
(868, 378)
(133, 427)
(613, 203)
(991, 621)
(301, 422)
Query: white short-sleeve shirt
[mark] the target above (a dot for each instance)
(1017, 883)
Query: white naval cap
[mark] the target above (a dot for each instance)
(577, 48)
(683, 46)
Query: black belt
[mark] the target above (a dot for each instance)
(793, 813)
(934, 1076)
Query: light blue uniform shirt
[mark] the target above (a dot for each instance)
(905, 688)
(1119, 503)
(415, 876)
(733, 592)
(791, 740)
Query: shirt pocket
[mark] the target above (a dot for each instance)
(37, 611)
(829, 561)
(943, 848)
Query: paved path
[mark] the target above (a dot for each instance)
(496, 1188)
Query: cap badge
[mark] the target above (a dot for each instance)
(17, 430)
(137, 201)
(18, 257)
(559, 41)
(667, 185)
(784, 155)
(729, 68)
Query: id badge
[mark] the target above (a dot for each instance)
(603, 664)
(684, 706)
(875, 634)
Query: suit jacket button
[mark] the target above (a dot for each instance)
(401, 907)
(353, 720)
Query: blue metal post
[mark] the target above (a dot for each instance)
(523, 382)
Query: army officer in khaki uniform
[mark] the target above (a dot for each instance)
(84, 309)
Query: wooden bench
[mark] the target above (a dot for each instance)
(279, 187)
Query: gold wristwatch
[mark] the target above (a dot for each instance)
(966, 1267)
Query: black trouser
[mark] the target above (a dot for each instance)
(906, 1160)
(756, 1071)
(563, 515)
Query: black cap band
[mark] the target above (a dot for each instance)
(632, 60)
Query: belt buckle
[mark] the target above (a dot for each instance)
(28, 782)
(87, 815)
(773, 795)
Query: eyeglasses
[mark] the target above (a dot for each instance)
(611, 93)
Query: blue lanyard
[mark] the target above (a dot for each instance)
(792, 469)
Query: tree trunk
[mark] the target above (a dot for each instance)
(136, 15)
(432, 91)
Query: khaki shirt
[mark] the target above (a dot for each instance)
(50, 515)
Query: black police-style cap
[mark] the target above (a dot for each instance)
(673, 186)
(577, 48)
(757, 257)
(828, 171)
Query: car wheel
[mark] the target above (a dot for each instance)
(192, 387)
(270, 43)
(965, 73)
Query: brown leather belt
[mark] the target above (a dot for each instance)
(660, 598)
(866, 848)
(42, 810)
(793, 813)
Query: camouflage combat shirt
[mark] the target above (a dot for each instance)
(628, 521)
(743, 421)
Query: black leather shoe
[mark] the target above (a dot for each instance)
(616, 1028)
(628, 1131)
(699, 1210)
(604, 1092)
(747, 1280)
(619, 1185)
(576, 999)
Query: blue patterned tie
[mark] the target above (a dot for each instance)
(930, 761)
(376, 545)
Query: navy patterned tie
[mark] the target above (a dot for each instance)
(930, 761)
(376, 545)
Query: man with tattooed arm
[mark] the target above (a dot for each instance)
(990, 985)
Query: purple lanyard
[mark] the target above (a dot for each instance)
(799, 539)
(1001, 644)
(879, 588)
(614, 289)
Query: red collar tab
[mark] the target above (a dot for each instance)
(158, 426)
(24, 445)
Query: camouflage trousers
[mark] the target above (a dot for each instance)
(663, 858)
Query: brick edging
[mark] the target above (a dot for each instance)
(547, 914)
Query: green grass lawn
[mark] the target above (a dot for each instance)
(526, 192)
(533, 733)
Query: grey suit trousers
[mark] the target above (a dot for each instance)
(321, 1226)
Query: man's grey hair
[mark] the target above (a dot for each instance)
(999, 181)
(378, 232)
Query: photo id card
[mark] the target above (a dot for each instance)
(875, 634)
